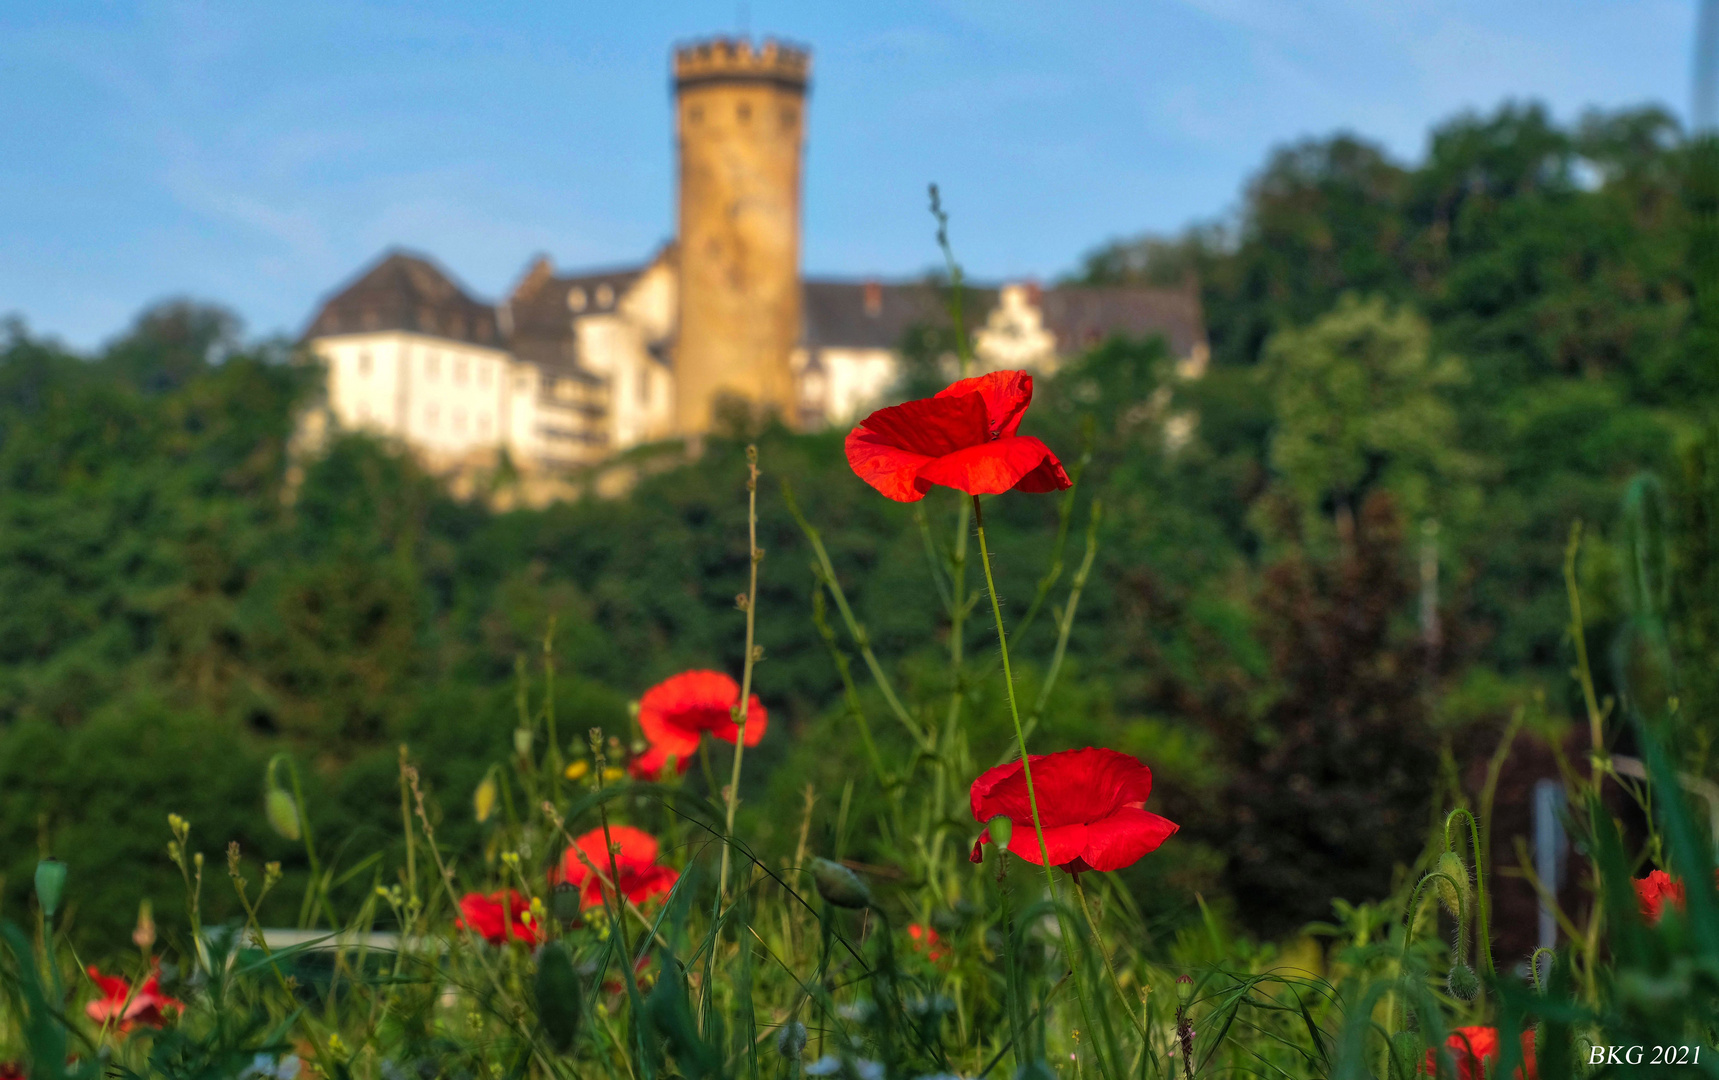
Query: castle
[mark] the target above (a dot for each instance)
(569, 369)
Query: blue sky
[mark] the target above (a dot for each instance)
(259, 154)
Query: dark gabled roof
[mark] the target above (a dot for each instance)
(404, 291)
(878, 315)
(543, 311)
(1082, 316)
(875, 315)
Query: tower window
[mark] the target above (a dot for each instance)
(432, 365)
(364, 362)
(695, 114)
(744, 112)
(461, 368)
(430, 416)
(605, 296)
(459, 420)
(789, 116)
(576, 299)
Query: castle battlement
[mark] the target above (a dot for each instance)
(726, 59)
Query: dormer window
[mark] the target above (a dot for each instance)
(605, 295)
(576, 299)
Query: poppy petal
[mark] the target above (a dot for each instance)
(1124, 837)
(996, 467)
(894, 472)
(931, 426)
(674, 712)
(1064, 843)
(1006, 395)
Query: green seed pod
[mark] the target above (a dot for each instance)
(791, 1040)
(282, 812)
(522, 741)
(558, 996)
(50, 885)
(839, 885)
(1002, 830)
(1454, 894)
(1463, 983)
(1184, 988)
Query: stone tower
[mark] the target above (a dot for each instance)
(740, 123)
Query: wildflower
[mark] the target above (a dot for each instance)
(1654, 890)
(635, 869)
(127, 1007)
(1092, 803)
(963, 438)
(498, 917)
(1475, 1050)
(576, 770)
(925, 940)
(676, 711)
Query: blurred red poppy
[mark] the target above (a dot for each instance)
(146, 1005)
(963, 438)
(1654, 890)
(925, 940)
(499, 917)
(676, 711)
(1092, 802)
(635, 868)
(1475, 1051)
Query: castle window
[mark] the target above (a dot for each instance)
(364, 362)
(789, 115)
(483, 373)
(695, 114)
(432, 365)
(605, 296)
(576, 298)
(521, 383)
(459, 420)
(744, 112)
(483, 423)
(461, 370)
(644, 387)
(431, 414)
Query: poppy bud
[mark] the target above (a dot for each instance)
(1463, 983)
(791, 1040)
(1407, 1056)
(564, 903)
(1002, 830)
(1453, 893)
(1184, 988)
(483, 799)
(50, 885)
(522, 741)
(839, 885)
(282, 812)
(144, 935)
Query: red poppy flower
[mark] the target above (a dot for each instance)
(1654, 890)
(925, 940)
(674, 712)
(962, 438)
(1475, 1049)
(499, 917)
(1092, 802)
(640, 877)
(126, 1007)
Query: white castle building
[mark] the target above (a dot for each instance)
(570, 368)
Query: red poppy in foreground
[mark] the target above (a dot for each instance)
(499, 917)
(1092, 802)
(635, 868)
(963, 438)
(1475, 1050)
(126, 1008)
(676, 711)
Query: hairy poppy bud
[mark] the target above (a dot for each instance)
(282, 812)
(839, 885)
(1002, 830)
(50, 885)
(1454, 892)
(791, 1040)
(483, 799)
(1463, 983)
(1407, 1056)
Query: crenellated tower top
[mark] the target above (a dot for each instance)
(728, 60)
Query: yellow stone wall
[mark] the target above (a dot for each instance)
(740, 123)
